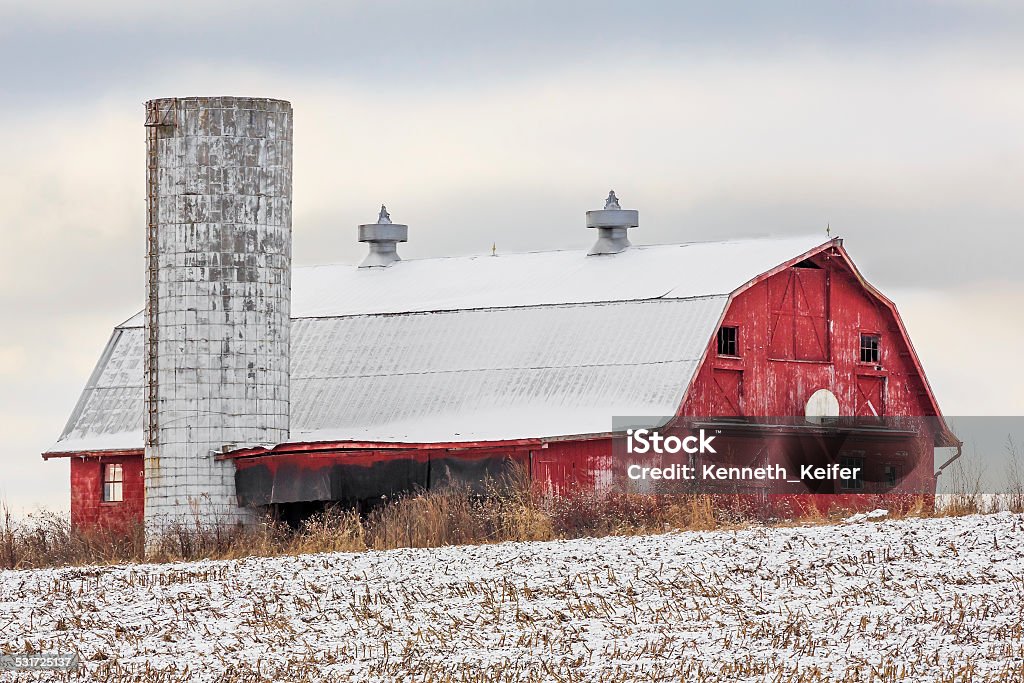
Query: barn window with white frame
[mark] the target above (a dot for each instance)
(113, 483)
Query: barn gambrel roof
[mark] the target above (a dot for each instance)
(477, 348)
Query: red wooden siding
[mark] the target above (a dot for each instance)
(567, 466)
(88, 511)
(784, 343)
(798, 315)
(799, 331)
(727, 392)
(869, 399)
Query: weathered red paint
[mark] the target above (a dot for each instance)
(573, 465)
(799, 331)
(88, 511)
(778, 371)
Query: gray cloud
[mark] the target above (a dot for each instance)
(478, 123)
(67, 49)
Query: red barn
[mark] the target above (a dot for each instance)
(434, 370)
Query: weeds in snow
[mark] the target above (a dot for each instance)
(934, 600)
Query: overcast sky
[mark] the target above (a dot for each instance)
(899, 124)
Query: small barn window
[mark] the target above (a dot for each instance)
(728, 341)
(806, 263)
(869, 348)
(856, 482)
(892, 474)
(113, 483)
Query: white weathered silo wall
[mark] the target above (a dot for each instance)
(219, 180)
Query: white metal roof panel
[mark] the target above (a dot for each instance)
(477, 375)
(669, 271)
(495, 374)
(540, 278)
(109, 413)
(475, 348)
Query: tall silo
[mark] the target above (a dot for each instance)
(218, 268)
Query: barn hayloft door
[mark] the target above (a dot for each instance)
(798, 321)
(870, 398)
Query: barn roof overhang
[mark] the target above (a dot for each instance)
(759, 427)
(333, 448)
(121, 452)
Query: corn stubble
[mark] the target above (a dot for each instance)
(797, 602)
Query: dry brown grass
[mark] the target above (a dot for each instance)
(46, 539)
(511, 510)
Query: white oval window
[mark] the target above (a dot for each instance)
(822, 404)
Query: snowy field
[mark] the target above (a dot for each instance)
(920, 600)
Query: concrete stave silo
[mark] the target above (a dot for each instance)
(218, 297)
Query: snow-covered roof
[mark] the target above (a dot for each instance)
(476, 348)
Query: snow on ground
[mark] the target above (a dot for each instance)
(925, 600)
(865, 516)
